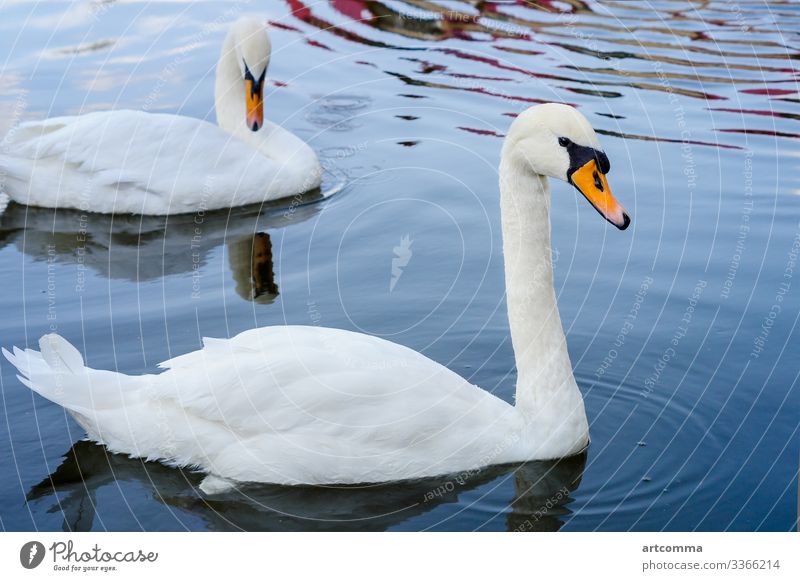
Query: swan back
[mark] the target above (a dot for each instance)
(168, 165)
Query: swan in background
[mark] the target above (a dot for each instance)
(313, 405)
(147, 163)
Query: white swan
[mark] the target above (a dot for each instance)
(144, 163)
(311, 405)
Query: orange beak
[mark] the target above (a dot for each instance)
(593, 185)
(254, 102)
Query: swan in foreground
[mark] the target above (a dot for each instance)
(146, 163)
(313, 405)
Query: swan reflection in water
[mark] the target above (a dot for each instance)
(144, 248)
(251, 262)
(542, 491)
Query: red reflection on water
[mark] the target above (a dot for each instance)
(769, 92)
(283, 26)
(781, 114)
(497, 64)
(355, 9)
(768, 132)
(318, 44)
(304, 13)
(427, 67)
(482, 131)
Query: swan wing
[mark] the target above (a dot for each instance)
(318, 405)
(283, 378)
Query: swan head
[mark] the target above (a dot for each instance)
(251, 44)
(557, 141)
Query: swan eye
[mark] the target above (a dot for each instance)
(563, 141)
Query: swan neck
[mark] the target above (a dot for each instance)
(229, 89)
(546, 387)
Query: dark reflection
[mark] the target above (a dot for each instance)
(665, 139)
(144, 248)
(541, 494)
(251, 263)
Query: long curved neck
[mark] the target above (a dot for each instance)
(229, 90)
(297, 161)
(546, 388)
(229, 102)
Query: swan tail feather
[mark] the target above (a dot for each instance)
(58, 352)
(58, 373)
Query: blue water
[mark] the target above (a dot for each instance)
(682, 329)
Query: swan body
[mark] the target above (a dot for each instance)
(135, 162)
(313, 405)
